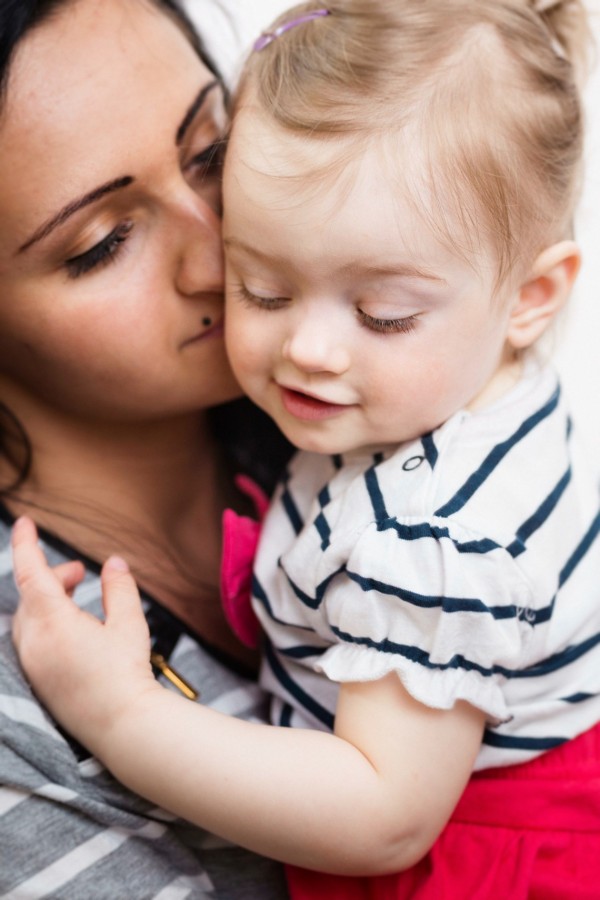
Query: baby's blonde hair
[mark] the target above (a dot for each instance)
(491, 85)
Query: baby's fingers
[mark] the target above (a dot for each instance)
(41, 589)
(43, 623)
(70, 575)
(121, 598)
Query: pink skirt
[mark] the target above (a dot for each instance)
(525, 832)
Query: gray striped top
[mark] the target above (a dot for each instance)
(67, 829)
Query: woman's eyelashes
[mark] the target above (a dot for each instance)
(209, 161)
(102, 253)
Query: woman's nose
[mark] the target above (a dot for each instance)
(316, 345)
(200, 254)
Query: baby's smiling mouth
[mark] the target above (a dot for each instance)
(308, 407)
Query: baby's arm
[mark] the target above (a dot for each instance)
(367, 800)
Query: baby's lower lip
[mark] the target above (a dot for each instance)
(308, 408)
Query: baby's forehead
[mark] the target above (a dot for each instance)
(359, 194)
(290, 160)
(291, 170)
(259, 142)
(297, 174)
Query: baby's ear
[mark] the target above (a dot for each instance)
(544, 293)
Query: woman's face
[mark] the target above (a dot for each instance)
(110, 255)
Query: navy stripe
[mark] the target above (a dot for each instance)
(324, 497)
(555, 662)
(378, 458)
(569, 427)
(578, 698)
(494, 457)
(537, 616)
(447, 604)
(321, 523)
(338, 461)
(426, 530)
(580, 551)
(259, 593)
(292, 511)
(285, 719)
(295, 691)
(423, 601)
(413, 654)
(509, 742)
(541, 514)
(458, 661)
(375, 495)
(306, 599)
(302, 651)
(429, 449)
(322, 526)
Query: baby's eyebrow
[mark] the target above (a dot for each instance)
(354, 269)
(403, 270)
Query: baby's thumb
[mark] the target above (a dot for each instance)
(120, 595)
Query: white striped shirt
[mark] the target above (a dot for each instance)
(467, 561)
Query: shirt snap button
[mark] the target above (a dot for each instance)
(413, 463)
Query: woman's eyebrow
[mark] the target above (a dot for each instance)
(73, 207)
(116, 185)
(193, 110)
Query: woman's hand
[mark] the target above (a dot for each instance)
(86, 672)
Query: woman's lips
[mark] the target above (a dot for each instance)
(310, 409)
(215, 330)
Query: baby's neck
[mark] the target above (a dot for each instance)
(502, 381)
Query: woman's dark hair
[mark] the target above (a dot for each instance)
(247, 434)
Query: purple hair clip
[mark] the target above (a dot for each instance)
(269, 36)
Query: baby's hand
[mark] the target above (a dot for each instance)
(86, 672)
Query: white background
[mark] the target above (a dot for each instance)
(578, 350)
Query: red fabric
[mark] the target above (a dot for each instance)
(528, 832)
(240, 540)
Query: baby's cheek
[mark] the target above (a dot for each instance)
(236, 336)
(243, 357)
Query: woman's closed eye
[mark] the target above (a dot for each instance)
(102, 253)
(209, 161)
(388, 326)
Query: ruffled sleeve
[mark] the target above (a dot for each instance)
(444, 608)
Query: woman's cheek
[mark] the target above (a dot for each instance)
(245, 355)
